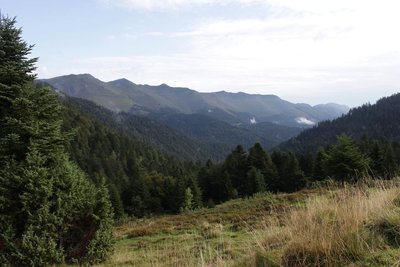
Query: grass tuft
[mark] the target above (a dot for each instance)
(387, 225)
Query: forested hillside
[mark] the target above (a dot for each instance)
(187, 136)
(376, 121)
(207, 130)
(134, 169)
(141, 180)
(151, 132)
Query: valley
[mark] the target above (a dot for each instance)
(213, 122)
(99, 171)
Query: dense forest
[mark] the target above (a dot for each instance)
(102, 150)
(245, 173)
(151, 132)
(141, 179)
(134, 170)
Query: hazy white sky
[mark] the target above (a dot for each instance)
(313, 51)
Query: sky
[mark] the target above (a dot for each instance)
(311, 51)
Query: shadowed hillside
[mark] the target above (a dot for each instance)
(377, 121)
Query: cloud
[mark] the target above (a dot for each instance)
(304, 121)
(305, 51)
(352, 85)
(172, 4)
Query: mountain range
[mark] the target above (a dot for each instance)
(203, 125)
(190, 137)
(233, 108)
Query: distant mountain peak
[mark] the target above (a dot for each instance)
(82, 75)
(123, 82)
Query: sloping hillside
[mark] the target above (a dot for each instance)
(321, 227)
(206, 129)
(377, 121)
(152, 133)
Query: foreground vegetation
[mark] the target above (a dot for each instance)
(348, 226)
(50, 212)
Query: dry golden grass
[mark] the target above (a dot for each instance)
(338, 229)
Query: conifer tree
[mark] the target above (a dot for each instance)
(196, 191)
(291, 177)
(306, 162)
(236, 167)
(49, 212)
(344, 161)
(390, 165)
(319, 172)
(188, 203)
(225, 190)
(261, 160)
(205, 180)
(255, 182)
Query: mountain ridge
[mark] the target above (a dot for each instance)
(234, 108)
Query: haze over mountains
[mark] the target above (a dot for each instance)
(204, 125)
(233, 108)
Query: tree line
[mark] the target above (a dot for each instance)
(244, 173)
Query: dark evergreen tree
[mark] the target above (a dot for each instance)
(116, 201)
(16, 68)
(255, 182)
(390, 164)
(374, 150)
(345, 162)
(224, 188)
(49, 212)
(205, 181)
(319, 172)
(306, 163)
(196, 192)
(236, 167)
(261, 160)
(291, 177)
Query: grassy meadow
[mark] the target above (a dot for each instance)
(347, 226)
